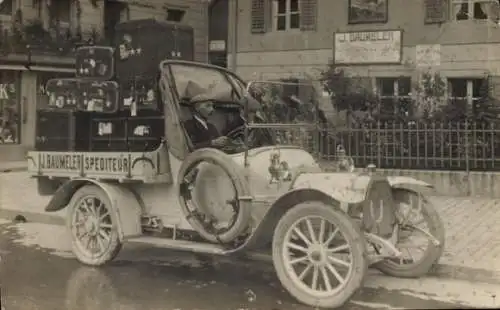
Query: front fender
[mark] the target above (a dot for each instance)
(124, 203)
(263, 233)
(343, 187)
(411, 184)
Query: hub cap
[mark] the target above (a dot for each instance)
(92, 226)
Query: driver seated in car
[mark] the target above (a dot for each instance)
(201, 132)
(258, 136)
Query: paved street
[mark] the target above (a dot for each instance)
(38, 272)
(473, 233)
(472, 230)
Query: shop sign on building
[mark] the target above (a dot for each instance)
(217, 45)
(9, 107)
(368, 47)
(7, 91)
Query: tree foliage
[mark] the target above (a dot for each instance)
(428, 123)
(428, 100)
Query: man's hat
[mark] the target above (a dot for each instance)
(192, 89)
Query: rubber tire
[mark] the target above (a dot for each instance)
(115, 245)
(432, 254)
(237, 176)
(350, 231)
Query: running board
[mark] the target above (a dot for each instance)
(180, 245)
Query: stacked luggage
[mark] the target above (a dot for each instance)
(113, 103)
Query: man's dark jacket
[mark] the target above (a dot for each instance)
(199, 135)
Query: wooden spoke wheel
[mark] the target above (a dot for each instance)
(319, 255)
(421, 237)
(93, 226)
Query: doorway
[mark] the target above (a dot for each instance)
(218, 32)
(115, 12)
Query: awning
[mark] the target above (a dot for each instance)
(51, 69)
(49, 63)
(36, 68)
(12, 67)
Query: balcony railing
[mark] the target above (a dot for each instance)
(35, 39)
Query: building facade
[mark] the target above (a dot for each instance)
(388, 43)
(36, 42)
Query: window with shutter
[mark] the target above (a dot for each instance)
(394, 94)
(474, 9)
(283, 15)
(258, 16)
(309, 13)
(465, 90)
(287, 15)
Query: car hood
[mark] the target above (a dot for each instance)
(265, 162)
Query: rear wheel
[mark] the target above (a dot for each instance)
(421, 237)
(93, 226)
(319, 255)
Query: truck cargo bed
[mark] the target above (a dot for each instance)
(146, 167)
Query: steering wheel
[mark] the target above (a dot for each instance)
(237, 138)
(256, 136)
(238, 133)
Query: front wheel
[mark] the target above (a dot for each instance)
(93, 226)
(319, 255)
(419, 222)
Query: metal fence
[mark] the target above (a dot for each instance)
(423, 145)
(415, 145)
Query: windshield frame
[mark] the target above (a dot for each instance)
(167, 65)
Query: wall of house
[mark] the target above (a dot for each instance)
(468, 48)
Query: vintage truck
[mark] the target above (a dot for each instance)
(130, 174)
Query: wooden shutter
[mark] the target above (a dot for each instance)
(308, 14)
(258, 16)
(435, 11)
